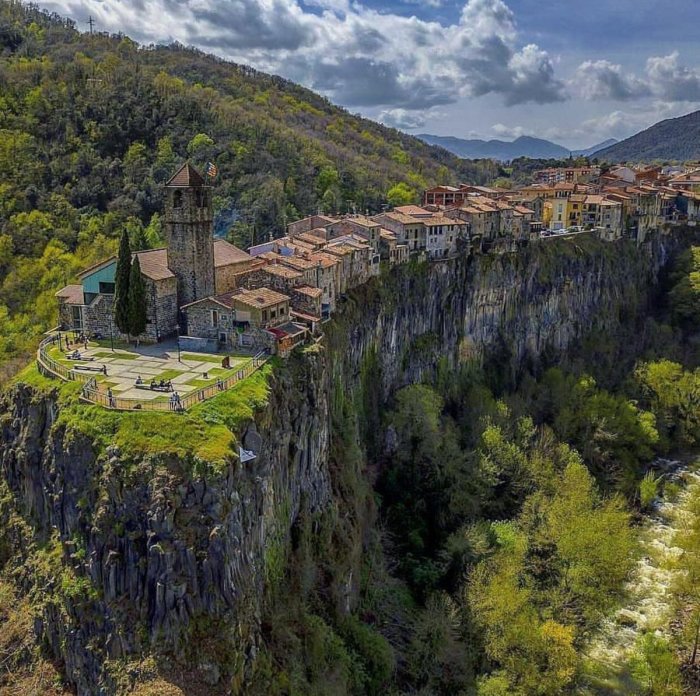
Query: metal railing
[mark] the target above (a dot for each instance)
(95, 393)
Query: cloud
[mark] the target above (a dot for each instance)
(503, 131)
(355, 55)
(673, 81)
(601, 79)
(402, 118)
(664, 79)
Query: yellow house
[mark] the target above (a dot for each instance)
(554, 213)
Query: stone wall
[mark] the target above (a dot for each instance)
(226, 276)
(199, 320)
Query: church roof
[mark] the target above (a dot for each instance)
(154, 264)
(226, 254)
(187, 176)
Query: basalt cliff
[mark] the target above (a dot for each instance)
(126, 554)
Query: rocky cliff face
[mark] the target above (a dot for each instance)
(127, 555)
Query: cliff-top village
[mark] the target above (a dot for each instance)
(215, 298)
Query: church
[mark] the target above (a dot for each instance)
(191, 267)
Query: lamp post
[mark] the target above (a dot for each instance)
(177, 328)
(111, 334)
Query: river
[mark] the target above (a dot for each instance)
(649, 603)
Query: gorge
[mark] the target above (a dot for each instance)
(126, 551)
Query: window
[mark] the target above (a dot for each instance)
(273, 314)
(214, 317)
(283, 311)
(106, 288)
(177, 199)
(264, 315)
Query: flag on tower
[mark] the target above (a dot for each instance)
(211, 169)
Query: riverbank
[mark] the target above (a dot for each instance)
(650, 607)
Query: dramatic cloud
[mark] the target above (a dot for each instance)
(664, 79)
(601, 79)
(672, 81)
(357, 56)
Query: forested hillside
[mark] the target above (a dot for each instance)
(672, 139)
(92, 126)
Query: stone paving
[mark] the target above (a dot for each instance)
(124, 366)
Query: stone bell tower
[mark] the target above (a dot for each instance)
(189, 234)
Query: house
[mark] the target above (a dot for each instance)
(309, 223)
(441, 235)
(443, 196)
(686, 182)
(241, 318)
(409, 229)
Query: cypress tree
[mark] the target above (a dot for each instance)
(139, 242)
(137, 300)
(121, 281)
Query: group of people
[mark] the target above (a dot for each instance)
(161, 385)
(175, 402)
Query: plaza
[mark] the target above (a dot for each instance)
(128, 371)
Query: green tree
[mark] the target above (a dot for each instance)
(122, 279)
(137, 300)
(401, 194)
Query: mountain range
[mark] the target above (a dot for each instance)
(503, 150)
(672, 139)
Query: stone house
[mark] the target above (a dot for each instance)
(88, 307)
(241, 319)
(409, 229)
(309, 223)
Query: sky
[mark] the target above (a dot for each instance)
(573, 71)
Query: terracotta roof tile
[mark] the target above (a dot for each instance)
(226, 254)
(186, 176)
(72, 294)
(154, 264)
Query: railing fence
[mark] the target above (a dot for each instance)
(94, 393)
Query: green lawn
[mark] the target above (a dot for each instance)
(120, 355)
(203, 358)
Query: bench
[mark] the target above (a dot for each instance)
(69, 356)
(89, 368)
(157, 387)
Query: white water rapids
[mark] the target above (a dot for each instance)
(649, 605)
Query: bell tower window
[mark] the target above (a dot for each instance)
(177, 199)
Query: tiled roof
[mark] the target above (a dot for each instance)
(361, 220)
(226, 254)
(309, 291)
(186, 176)
(440, 220)
(260, 298)
(411, 210)
(72, 294)
(402, 217)
(299, 263)
(281, 271)
(154, 264)
(326, 260)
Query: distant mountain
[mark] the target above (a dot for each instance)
(524, 146)
(596, 148)
(673, 139)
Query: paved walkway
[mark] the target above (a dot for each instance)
(153, 362)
